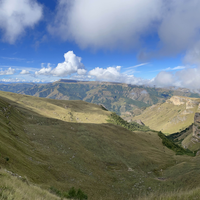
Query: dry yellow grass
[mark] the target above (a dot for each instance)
(68, 111)
(18, 188)
(193, 194)
(168, 117)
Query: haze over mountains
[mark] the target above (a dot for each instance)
(125, 100)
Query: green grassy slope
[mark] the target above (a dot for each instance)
(171, 116)
(185, 139)
(105, 160)
(175, 195)
(18, 188)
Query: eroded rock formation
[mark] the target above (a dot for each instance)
(196, 126)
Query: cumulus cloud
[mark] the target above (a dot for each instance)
(186, 78)
(189, 78)
(113, 74)
(24, 71)
(193, 54)
(164, 79)
(44, 71)
(72, 64)
(16, 16)
(108, 24)
(9, 71)
(179, 28)
(118, 24)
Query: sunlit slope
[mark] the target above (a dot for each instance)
(69, 111)
(104, 160)
(174, 115)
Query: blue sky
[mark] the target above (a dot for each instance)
(152, 42)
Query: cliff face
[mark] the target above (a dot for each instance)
(196, 126)
(190, 103)
(177, 100)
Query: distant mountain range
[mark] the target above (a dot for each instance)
(126, 100)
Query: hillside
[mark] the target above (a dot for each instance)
(125, 100)
(16, 187)
(174, 115)
(41, 141)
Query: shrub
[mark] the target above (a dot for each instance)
(176, 148)
(80, 195)
(7, 159)
(71, 194)
(133, 126)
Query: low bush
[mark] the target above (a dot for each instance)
(171, 145)
(71, 194)
(133, 126)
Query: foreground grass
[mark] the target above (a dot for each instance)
(193, 194)
(17, 188)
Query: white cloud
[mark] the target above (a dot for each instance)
(14, 80)
(186, 78)
(72, 64)
(193, 54)
(81, 71)
(125, 24)
(24, 72)
(179, 28)
(9, 71)
(16, 16)
(163, 79)
(189, 78)
(178, 67)
(109, 74)
(44, 71)
(170, 69)
(108, 24)
(113, 74)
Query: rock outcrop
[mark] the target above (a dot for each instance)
(139, 122)
(177, 100)
(196, 126)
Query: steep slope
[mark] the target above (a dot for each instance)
(104, 160)
(16, 187)
(174, 115)
(190, 137)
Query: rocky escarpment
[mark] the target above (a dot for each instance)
(196, 126)
(189, 103)
(139, 122)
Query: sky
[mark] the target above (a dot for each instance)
(142, 42)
